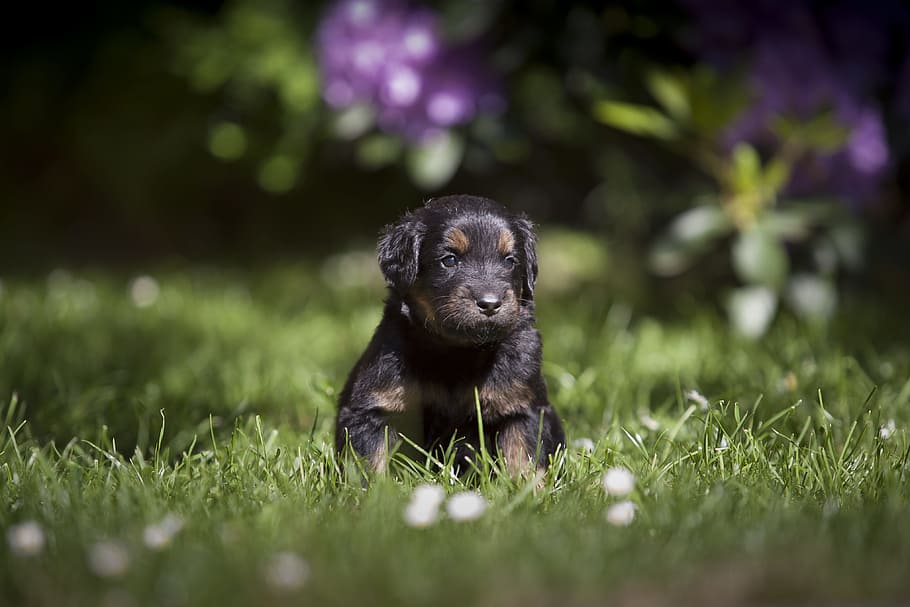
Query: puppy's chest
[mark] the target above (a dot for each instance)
(458, 401)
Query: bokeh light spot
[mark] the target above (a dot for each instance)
(227, 141)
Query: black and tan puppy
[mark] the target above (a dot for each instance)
(459, 317)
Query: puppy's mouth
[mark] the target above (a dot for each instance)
(462, 319)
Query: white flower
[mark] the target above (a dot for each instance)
(466, 506)
(621, 513)
(698, 398)
(287, 571)
(108, 558)
(160, 535)
(585, 445)
(144, 291)
(26, 539)
(618, 481)
(888, 430)
(649, 422)
(423, 509)
(428, 494)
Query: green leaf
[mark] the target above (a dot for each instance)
(670, 91)
(776, 176)
(432, 163)
(751, 310)
(812, 297)
(700, 223)
(849, 243)
(715, 99)
(353, 122)
(824, 132)
(377, 151)
(760, 259)
(746, 165)
(786, 224)
(636, 119)
(690, 235)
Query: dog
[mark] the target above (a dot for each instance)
(457, 328)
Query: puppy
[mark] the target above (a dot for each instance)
(459, 317)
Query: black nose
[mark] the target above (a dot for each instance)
(489, 304)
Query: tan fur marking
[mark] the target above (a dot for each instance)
(458, 240)
(506, 242)
(391, 399)
(514, 451)
(505, 400)
(380, 459)
(426, 307)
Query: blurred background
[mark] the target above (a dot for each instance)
(746, 158)
(703, 143)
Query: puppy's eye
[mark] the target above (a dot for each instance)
(510, 261)
(449, 261)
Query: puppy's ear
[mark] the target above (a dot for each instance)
(398, 252)
(528, 238)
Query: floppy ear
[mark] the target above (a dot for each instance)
(525, 230)
(398, 252)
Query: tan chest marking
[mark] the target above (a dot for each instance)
(505, 399)
(495, 399)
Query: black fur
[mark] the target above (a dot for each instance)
(442, 336)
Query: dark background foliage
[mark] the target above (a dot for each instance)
(105, 135)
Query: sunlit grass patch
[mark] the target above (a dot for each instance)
(179, 452)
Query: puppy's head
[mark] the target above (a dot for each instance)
(464, 265)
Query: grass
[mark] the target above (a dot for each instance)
(215, 404)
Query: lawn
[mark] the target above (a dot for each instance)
(169, 443)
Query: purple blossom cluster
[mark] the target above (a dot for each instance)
(391, 55)
(804, 62)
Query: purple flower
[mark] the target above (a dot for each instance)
(802, 65)
(391, 56)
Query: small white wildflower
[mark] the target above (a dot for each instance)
(621, 513)
(108, 558)
(888, 430)
(585, 445)
(466, 506)
(649, 422)
(160, 535)
(420, 514)
(423, 509)
(144, 291)
(618, 481)
(698, 398)
(428, 494)
(26, 539)
(287, 571)
(724, 445)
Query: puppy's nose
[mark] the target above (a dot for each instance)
(489, 303)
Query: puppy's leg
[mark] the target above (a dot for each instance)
(365, 418)
(368, 433)
(527, 440)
